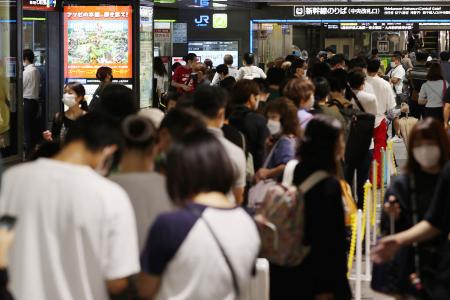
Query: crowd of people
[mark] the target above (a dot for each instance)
(164, 204)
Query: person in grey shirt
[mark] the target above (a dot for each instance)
(146, 189)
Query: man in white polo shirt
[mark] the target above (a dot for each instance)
(396, 77)
(385, 103)
(211, 102)
(75, 233)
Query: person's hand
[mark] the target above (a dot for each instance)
(404, 108)
(386, 249)
(392, 208)
(47, 135)
(186, 88)
(262, 174)
(6, 238)
(327, 296)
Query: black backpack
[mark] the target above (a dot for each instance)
(358, 131)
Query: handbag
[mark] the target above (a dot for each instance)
(257, 192)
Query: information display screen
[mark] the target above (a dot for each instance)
(215, 50)
(47, 5)
(372, 26)
(96, 36)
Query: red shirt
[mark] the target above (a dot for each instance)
(182, 76)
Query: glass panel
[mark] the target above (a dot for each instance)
(8, 79)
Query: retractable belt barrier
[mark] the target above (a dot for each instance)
(365, 223)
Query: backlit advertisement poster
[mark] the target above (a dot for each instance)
(96, 36)
(146, 55)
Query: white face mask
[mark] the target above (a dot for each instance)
(427, 156)
(393, 65)
(274, 127)
(69, 100)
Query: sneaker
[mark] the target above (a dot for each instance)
(397, 139)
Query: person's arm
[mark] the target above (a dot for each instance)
(216, 79)
(389, 246)
(121, 260)
(423, 94)
(262, 74)
(264, 173)
(148, 286)
(446, 115)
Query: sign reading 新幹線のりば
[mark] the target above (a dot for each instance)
(371, 12)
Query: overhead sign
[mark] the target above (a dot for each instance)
(358, 11)
(202, 21)
(179, 35)
(48, 5)
(372, 26)
(220, 21)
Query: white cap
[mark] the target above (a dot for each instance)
(155, 115)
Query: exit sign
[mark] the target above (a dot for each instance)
(48, 5)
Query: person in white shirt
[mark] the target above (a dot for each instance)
(385, 104)
(368, 103)
(232, 71)
(249, 71)
(31, 83)
(396, 77)
(76, 231)
(211, 102)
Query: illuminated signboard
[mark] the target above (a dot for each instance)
(356, 11)
(215, 50)
(146, 58)
(372, 26)
(48, 5)
(96, 36)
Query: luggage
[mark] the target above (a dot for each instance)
(359, 132)
(280, 222)
(259, 285)
(406, 125)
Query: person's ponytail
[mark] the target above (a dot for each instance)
(84, 105)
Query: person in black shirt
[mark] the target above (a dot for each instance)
(323, 272)
(417, 77)
(105, 75)
(246, 120)
(428, 151)
(73, 98)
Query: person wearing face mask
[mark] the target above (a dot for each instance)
(301, 92)
(428, 151)
(282, 122)
(245, 119)
(396, 76)
(73, 98)
(82, 225)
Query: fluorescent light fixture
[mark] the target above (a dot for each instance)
(165, 21)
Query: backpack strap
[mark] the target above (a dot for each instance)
(288, 174)
(312, 180)
(358, 103)
(334, 102)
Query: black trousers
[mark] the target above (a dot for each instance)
(31, 137)
(434, 112)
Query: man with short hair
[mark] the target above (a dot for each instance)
(76, 231)
(385, 104)
(232, 71)
(31, 84)
(182, 78)
(337, 62)
(211, 102)
(226, 81)
(396, 77)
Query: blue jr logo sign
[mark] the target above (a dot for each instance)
(202, 21)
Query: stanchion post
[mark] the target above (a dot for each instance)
(368, 194)
(358, 256)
